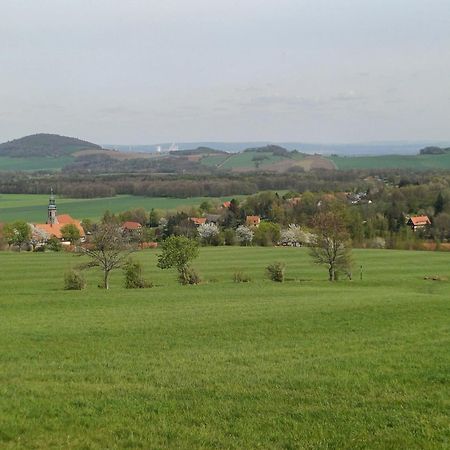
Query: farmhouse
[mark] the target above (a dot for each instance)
(131, 226)
(42, 232)
(198, 220)
(418, 222)
(252, 221)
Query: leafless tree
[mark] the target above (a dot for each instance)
(108, 250)
(330, 244)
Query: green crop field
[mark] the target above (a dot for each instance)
(244, 160)
(413, 162)
(304, 364)
(214, 160)
(34, 163)
(33, 208)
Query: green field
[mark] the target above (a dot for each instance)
(244, 160)
(413, 162)
(34, 163)
(33, 208)
(304, 364)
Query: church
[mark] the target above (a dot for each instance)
(42, 232)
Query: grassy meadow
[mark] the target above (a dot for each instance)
(413, 162)
(33, 163)
(304, 364)
(33, 208)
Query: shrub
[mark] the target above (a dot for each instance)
(188, 276)
(241, 277)
(275, 271)
(133, 276)
(74, 281)
(267, 234)
(229, 237)
(53, 244)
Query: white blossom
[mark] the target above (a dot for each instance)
(244, 235)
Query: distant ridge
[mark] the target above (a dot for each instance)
(43, 144)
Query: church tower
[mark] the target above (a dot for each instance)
(51, 215)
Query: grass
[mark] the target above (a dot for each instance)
(414, 162)
(244, 160)
(303, 364)
(33, 208)
(34, 163)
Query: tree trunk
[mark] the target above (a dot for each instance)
(330, 273)
(106, 280)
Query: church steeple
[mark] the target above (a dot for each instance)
(51, 215)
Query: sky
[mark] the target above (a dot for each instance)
(148, 71)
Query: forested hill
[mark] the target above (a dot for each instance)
(44, 145)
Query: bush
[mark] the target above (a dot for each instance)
(133, 276)
(53, 244)
(74, 281)
(275, 271)
(241, 277)
(229, 237)
(189, 276)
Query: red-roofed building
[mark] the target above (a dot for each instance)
(252, 221)
(131, 226)
(226, 205)
(42, 232)
(418, 222)
(198, 220)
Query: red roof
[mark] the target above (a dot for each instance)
(131, 226)
(226, 204)
(420, 220)
(253, 220)
(198, 220)
(55, 229)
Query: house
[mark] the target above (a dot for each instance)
(226, 205)
(252, 221)
(198, 220)
(131, 226)
(418, 222)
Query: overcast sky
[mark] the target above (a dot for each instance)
(147, 71)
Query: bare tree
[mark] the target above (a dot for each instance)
(108, 250)
(330, 244)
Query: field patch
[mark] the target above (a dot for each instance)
(33, 208)
(34, 163)
(413, 162)
(303, 364)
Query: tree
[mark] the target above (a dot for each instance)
(441, 226)
(70, 233)
(178, 252)
(17, 233)
(267, 233)
(244, 235)
(329, 244)
(108, 249)
(208, 233)
(439, 204)
(294, 236)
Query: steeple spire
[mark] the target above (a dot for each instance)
(51, 214)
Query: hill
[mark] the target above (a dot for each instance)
(202, 151)
(44, 145)
(434, 150)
